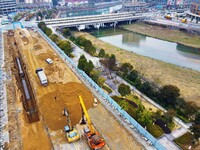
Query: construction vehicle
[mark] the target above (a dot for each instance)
(168, 17)
(94, 139)
(72, 134)
(184, 20)
(42, 76)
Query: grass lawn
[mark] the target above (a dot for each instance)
(185, 141)
(146, 104)
(161, 73)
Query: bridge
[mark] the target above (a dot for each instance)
(95, 20)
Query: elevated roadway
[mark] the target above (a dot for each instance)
(174, 24)
(95, 20)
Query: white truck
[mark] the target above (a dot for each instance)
(42, 76)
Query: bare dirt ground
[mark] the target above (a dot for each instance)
(21, 133)
(13, 118)
(117, 138)
(62, 91)
(188, 81)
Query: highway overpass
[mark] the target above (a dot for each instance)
(96, 20)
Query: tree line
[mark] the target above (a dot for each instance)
(62, 44)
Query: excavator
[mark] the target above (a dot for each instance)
(72, 134)
(184, 20)
(168, 17)
(94, 139)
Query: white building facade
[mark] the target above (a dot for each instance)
(7, 6)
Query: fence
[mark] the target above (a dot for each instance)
(122, 113)
(4, 135)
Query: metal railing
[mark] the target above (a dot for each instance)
(106, 97)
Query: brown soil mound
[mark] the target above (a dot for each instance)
(58, 73)
(66, 96)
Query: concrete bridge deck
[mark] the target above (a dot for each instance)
(96, 20)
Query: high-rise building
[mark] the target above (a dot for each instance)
(195, 7)
(178, 3)
(7, 6)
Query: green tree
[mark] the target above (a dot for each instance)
(48, 31)
(139, 111)
(195, 128)
(54, 38)
(196, 131)
(101, 53)
(82, 62)
(197, 119)
(126, 68)
(147, 89)
(169, 115)
(169, 94)
(124, 105)
(89, 67)
(190, 109)
(65, 46)
(110, 62)
(94, 74)
(124, 89)
(66, 32)
(87, 44)
(157, 114)
(138, 83)
(145, 118)
(42, 26)
(133, 75)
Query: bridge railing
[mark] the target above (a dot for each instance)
(106, 97)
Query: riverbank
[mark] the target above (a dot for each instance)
(154, 70)
(166, 34)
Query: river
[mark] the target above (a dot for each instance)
(169, 52)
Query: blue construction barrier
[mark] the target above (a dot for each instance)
(16, 23)
(113, 104)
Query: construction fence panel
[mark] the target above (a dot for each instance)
(113, 104)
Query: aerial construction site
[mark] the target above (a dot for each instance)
(47, 115)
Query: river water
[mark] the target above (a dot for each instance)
(158, 49)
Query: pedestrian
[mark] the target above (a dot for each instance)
(55, 98)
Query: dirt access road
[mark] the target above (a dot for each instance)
(61, 92)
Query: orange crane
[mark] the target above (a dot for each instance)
(93, 138)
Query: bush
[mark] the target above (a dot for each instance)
(155, 130)
(65, 46)
(108, 89)
(87, 44)
(48, 31)
(163, 125)
(124, 89)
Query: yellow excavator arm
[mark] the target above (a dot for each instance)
(86, 114)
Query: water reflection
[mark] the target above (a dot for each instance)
(132, 39)
(158, 49)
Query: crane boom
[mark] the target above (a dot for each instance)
(86, 114)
